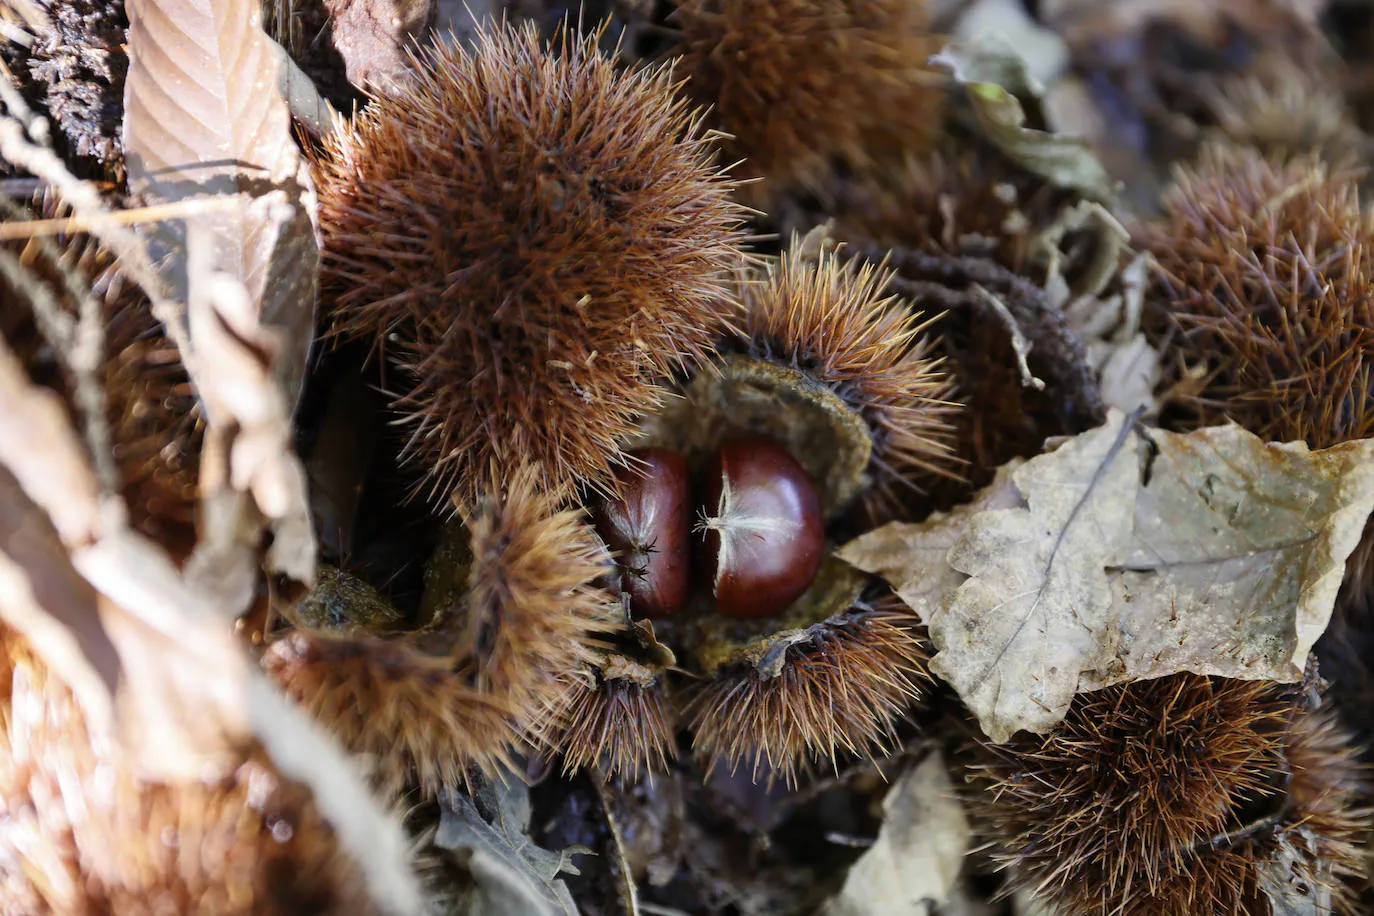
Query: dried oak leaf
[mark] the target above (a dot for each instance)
(1131, 554)
(913, 866)
(511, 874)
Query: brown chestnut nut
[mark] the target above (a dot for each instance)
(764, 536)
(647, 530)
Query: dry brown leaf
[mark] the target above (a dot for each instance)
(204, 115)
(912, 558)
(56, 524)
(1127, 365)
(42, 597)
(913, 866)
(1287, 894)
(1218, 555)
(511, 874)
(1006, 24)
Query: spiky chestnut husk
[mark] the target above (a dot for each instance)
(799, 84)
(617, 719)
(156, 425)
(82, 834)
(965, 201)
(532, 607)
(1152, 798)
(534, 240)
(832, 321)
(496, 664)
(1107, 806)
(839, 688)
(153, 415)
(1329, 817)
(1264, 281)
(1284, 110)
(415, 718)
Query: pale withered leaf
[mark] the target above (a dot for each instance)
(990, 75)
(913, 558)
(1127, 364)
(1237, 551)
(1132, 554)
(1287, 895)
(511, 874)
(205, 117)
(914, 864)
(1010, 32)
(1034, 611)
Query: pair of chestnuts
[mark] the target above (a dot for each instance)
(757, 540)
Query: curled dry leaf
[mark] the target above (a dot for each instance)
(1007, 28)
(204, 116)
(1127, 364)
(913, 866)
(511, 875)
(57, 611)
(57, 540)
(1130, 555)
(1065, 162)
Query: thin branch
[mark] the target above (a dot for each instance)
(89, 223)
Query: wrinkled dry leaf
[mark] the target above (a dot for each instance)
(205, 116)
(1219, 555)
(912, 867)
(1127, 364)
(1065, 162)
(183, 704)
(511, 875)
(43, 598)
(1006, 26)
(1288, 896)
(912, 558)
(1128, 372)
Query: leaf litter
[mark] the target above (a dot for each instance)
(510, 874)
(1131, 554)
